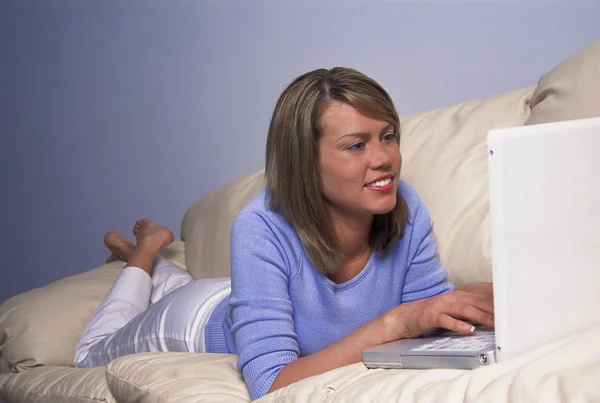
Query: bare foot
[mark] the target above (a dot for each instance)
(147, 232)
(120, 248)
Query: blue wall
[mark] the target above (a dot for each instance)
(113, 110)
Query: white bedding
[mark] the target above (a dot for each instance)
(564, 371)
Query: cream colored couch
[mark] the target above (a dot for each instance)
(445, 159)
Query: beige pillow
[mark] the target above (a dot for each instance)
(176, 377)
(562, 371)
(445, 158)
(43, 326)
(206, 226)
(571, 362)
(571, 90)
(57, 385)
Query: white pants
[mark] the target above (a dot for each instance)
(123, 323)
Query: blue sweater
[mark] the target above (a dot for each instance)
(281, 307)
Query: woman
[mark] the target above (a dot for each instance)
(334, 256)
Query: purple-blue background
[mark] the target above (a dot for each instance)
(113, 110)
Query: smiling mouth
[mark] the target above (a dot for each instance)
(380, 183)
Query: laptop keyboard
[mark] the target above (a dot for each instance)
(473, 342)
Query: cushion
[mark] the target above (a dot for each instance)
(43, 326)
(445, 158)
(571, 362)
(207, 226)
(565, 370)
(571, 90)
(176, 377)
(56, 385)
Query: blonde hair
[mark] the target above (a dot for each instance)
(292, 160)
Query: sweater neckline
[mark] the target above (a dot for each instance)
(347, 284)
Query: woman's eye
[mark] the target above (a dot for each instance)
(357, 146)
(389, 137)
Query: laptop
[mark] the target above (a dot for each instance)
(545, 230)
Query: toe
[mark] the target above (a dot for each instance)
(111, 237)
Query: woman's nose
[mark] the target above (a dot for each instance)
(380, 158)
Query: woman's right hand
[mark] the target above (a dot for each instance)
(449, 311)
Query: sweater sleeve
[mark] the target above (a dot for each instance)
(260, 304)
(425, 276)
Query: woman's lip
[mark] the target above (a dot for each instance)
(385, 188)
(381, 178)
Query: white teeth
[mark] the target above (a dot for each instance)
(381, 183)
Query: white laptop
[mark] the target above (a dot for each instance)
(545, 229)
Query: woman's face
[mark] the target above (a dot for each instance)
(360, 163)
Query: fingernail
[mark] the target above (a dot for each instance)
(470, 328)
